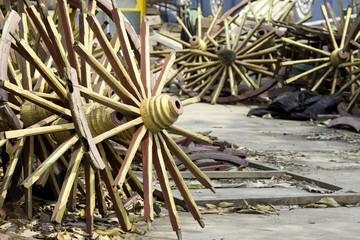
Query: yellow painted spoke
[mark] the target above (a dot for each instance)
(29, 181)
(133, 148)
(184, 159)
(289, 80)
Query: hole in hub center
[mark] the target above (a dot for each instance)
(119, 116)
(177, 104)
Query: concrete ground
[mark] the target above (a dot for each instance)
(307, 148)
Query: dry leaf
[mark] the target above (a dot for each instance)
(82, 212)
(330, 202)
(257, 209)
(135, 218)
(110, 232)
(180, 208)
(195, 186)
(63, 236)
(225, 204)
(313, 137)
(219, 210)
(210, 206)
(135, 230)
(314, 205)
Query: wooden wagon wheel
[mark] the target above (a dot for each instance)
(339, 61)
(71, 114)
(218, 59)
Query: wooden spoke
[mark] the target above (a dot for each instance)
(203, 53)
(118, 205)
(28, 163)
(259, 53)
(207, 84)
(322, 79)
(346, 26)
(190, 101)
(117, 66)
(147, 149)
(106, 76)
(213, 22)
(334, 83)
(179, 181)
(37, 131)
(175, 39)
(68, 184)
(207, 65)
(160, 83)
(329, 27)
(250, 84)
(29, 181)
(227, 37)
(307, 72)
(199, 17)
(165, 186)
(50, 77)
(200, 176)
(333, 16)
(68, 34)
(145, 59)
(117, 130)
(304, 46)
(126, 48)
(189, 134)
(183, 26)
(233, 86)
(287, 63)
(240, 29)
(249, 35)
(61, 111)
(219, 87)
(123, 108)
(134, 145)
(200, 76)
(90, 195)
(111, 154)
(258, 44)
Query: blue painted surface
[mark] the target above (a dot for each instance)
(317, 14)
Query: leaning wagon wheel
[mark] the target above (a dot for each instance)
(220, 60)
(240, 59)
(339, 63)
(65, 107)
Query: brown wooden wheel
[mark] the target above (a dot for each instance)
(77, 100)
(333, 62)
(215, 63)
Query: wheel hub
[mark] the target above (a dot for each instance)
(338, 56)
(197, 43)
(226, 56)
(160, 112)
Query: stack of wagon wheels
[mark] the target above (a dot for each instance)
(326, 58)
(230, 60)
(66, 101)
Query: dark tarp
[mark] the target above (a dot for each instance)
(299, 105)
